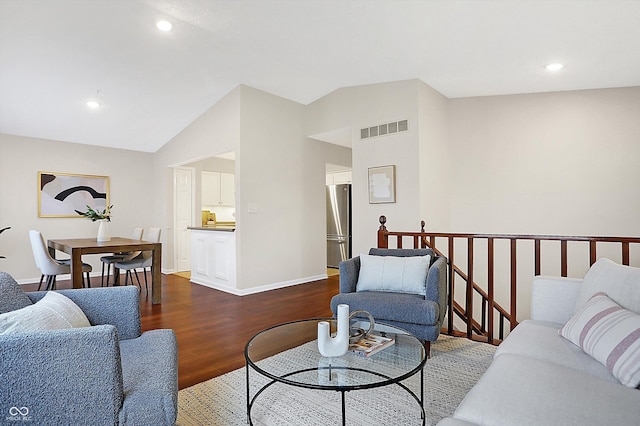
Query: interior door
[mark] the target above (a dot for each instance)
(184, 200)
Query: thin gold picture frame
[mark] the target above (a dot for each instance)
(68, 194)
(382, 184)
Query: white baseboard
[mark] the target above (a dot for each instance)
(259, 289)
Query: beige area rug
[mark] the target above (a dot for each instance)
(455, 366)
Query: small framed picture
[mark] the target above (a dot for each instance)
(382, 184)
(68, 195)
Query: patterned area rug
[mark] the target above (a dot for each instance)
(455, 366)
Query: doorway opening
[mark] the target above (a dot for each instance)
(208, 197)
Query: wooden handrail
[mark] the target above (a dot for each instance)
(481, 325)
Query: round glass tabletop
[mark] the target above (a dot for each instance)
(288, 353)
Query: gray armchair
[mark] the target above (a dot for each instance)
(107, 374)
(420, 315)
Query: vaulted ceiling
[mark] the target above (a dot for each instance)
(55, 55)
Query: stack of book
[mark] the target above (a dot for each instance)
(372, 344)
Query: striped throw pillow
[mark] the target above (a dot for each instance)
(610, 334)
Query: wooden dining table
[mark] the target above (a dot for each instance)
(77, 247)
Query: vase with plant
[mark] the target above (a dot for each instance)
(104, 217)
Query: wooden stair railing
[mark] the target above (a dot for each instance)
(482, 326)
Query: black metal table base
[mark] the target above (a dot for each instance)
(251, 401)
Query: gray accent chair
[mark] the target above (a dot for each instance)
(107, 374)
(420, 315)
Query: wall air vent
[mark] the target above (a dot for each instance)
(384, 129)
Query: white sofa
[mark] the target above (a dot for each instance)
(538, 377)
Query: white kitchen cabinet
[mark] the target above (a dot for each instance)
(338, 178)
(227, 189)
(213, 258)
(218, 189)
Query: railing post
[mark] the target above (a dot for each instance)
(450, 282)
(514, 285)
(625, 253)
(563, 258)
(383, 235)
(490, 277)
(536, 256)
(469, 304)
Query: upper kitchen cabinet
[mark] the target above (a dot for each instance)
(227, 189)
(338, 178)
(218, 189)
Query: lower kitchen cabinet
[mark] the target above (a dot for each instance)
(213, 258)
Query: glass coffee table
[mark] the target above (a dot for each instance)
(288, 353)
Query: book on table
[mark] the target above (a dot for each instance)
(371, 344)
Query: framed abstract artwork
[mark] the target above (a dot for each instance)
(68, 195)
(382, 184)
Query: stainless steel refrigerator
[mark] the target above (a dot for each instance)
(338, 224)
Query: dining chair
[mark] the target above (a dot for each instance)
(50, 267)
(143, 260)
(117, 257)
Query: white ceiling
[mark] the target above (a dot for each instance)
(56, 54)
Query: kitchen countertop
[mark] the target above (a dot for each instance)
(224, 228)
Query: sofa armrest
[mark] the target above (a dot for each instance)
(437, 285)
(118, 306)
(349, 270)
(62, 376)
(553, 298)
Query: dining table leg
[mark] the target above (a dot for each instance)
(76, 268)
(156, 281)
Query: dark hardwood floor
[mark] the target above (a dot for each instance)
(212, 327)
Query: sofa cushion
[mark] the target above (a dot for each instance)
(53, 312)
(384, 306)
(540, 340)
(393, 274)
(621, 283)
(610, 334)
(517, 390)
(11, 295)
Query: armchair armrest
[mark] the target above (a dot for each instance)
(117, 306)
(47, 372)
(553, 298)
(437, 285)
(349, 270)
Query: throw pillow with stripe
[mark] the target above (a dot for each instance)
(610, 334)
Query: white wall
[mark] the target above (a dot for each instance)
(565, 163)
(131, 193)
(434, 159)
(214, 132)
(277, 168)
(369, 105)
(550, 163)
(282, 173)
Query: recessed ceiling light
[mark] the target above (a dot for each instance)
(554, 67)
(93, 104)
(164, 25)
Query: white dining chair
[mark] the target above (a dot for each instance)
(49, 267)
(144, 260)
(118, 257)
